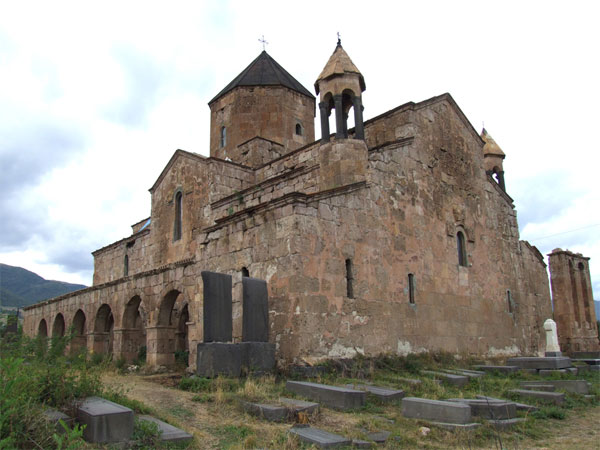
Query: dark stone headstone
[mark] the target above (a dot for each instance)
(105, 421)
(219, 358)
(255, 322)
(217, 307)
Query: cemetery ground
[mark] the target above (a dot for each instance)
(34, 375)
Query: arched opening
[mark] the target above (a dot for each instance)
(182, 330)
(58, 328)
(162, 342)
(509, 301)
(223, 137)
(462, 249)
(134, 330)
(126, 266)
(245, 272)
(178, 216)
(411, 288)
(349, 279)
(79, 340)
(165, 312)
(103, 330)
(299, 129)
(43, 328)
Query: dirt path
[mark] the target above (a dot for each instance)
(581, 430)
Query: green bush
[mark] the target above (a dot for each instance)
(196, 384)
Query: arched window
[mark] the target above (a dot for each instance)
(349, 279)
(509, 300)
(178, 216)
(462, 249)
(126, 266)
(223, 137)
(299, 129)
(411, 288)
(245, 272)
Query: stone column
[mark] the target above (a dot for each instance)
(359, 127)
(127, 344)
(160, 346)
(99, 342)
(501, 180)
(324, 122)
(339, 117)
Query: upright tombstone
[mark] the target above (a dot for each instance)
(255, 322)
(217, 307)
(552, 347)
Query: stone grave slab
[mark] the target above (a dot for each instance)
(321, 438)
(541, 386)
(500, 369)
(272, 413)
(588, 361)
(217, 307)
(574, 386)
(218, 358)
(54, 416)
(382, 394)
(489, 410)
(505, 424)
(359, 443)
(536, 362)
(519, 406)
(380, 437)
(105, 421)
(258, 356)
(463, 373)
(297, 406)
(455, 380)
(456, 426)
(556, 398)
(436, 410)
(550, 372)
(332, 396)
(168, 433)
(255, 316)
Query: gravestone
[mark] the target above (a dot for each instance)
(255, 322)
(219, 358)
(105, 421)
(320, 438)
(168, 433)
(436, 410)
(332, 396)
(217, 307)
(552, 347)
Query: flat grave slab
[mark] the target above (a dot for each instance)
(505, 424)
(574, 386)
(332, 396)
(536, 362)
(359, 443)
(519, 406)
(457, 426)
(380, 393)
(467, 373)
(550, 372)
(455, 380)
(297, 406)
(556, 398)
(54, 416)
(105, 421)
(589, 361)
(379, 437)
(321, 438)
(272, 413)
(501, 369)
(487, 409)
(537, 386)
(436, 410)
(169, 433)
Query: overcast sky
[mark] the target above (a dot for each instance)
(95, 98)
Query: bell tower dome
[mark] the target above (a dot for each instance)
(340, 86)
(262, 114)
(493, 156)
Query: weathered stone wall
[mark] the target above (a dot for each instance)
(269, 112)
(574, 310)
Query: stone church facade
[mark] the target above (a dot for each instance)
(396, 235)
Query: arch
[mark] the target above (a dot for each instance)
(165, 311)
(103, 330)
(349, 279)
(580, 266)
(43, 328)
(58, 327)
(126, 266)
(299, 129)
(134, 328)
(462, 249)
(182, 329)
(78, 341)
(509, 300)
(223, 136)
(178, 215)
(411, 288)
(245, 272)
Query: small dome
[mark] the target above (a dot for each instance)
(339, 64)
(490, 147)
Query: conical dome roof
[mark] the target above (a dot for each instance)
(490, 147)
(339, 64)
(264, 71)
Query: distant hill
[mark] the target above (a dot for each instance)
(20, 287)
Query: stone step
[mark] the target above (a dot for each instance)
(489, 410)
(539, 386)
(536, 362)
(455, 380)
(574, 386)
(436, 410)
(320, 438)
(501, 369)
(519, 406)
(332, 396)
(169, 433)
(382, 394)
(505, 424)
(556, 398)
(105, 421)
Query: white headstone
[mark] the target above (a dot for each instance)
(551, 337)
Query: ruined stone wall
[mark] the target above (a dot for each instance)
(269, 112)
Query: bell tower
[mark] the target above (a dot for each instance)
(492, 158)
(340, 86)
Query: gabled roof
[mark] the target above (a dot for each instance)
(178, 153)
(339, 63)
(264, 71)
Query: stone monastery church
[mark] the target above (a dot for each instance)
(397, 235)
